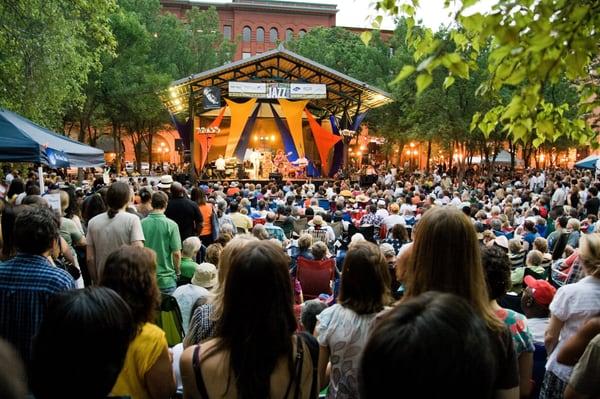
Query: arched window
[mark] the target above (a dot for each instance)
(260, 35)
(301, 33)
(273, 35)
(246, 34)
(289, 34)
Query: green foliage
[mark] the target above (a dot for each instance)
(47, 51)
(529, 46)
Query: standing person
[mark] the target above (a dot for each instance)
(112, 229)
(147, 374)
(29, 280)
(343, 328)
(456, 268)
(572, 305)
(438, 325)
(220, 167)
(144, 207)
(207, 234)
(184, 212)
(497, 269)
(593, 202)
(255, 353)
(95, 318)
(162, 236)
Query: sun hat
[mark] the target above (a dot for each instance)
(165, 181)
(318, 220)
(205, 275)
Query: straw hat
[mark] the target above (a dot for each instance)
(165, 181)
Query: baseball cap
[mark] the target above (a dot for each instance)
(541, 290)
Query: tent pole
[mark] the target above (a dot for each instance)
(41, 177)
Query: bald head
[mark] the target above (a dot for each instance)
(177, 190)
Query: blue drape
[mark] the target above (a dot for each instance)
(338, 149)
(358, 120)
(184, 130)
(240, 149)
(286, 137)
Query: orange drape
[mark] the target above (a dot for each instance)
(240, 112)
(324, 139)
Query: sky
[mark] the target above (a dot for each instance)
(356, 13)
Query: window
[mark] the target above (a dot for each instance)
(260, 35)
(227, 32)
(246, 55)
(289, 34)
(301, 33)
(246, 34)
(273, 35)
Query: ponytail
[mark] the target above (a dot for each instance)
(112, 212)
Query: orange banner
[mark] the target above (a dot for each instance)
(292, 110)
(324, 139)
(240, 112)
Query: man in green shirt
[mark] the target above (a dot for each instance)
(162, 236)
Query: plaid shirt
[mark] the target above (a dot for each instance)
(202, 326)
(27, 282)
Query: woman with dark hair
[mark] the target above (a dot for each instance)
(497, 269)
(96, 319)
(131, 272)
(92, 206)
(144, 207)
(16, 188)
(399, 237)
(255, 353)
(437, 332)
(343, 328)
(445, 256)
(112, 229)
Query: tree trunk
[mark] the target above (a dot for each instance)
(117, 147)
(150, 157)
(512, 149)
(428, 156)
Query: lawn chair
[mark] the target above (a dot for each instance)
(315, 276)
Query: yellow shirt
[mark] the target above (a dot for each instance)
(142, 353)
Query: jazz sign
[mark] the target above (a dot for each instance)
(277, 90)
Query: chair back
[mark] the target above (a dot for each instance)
(368, 232)
(324, 203)
(300, 225)
(288, 227)
(538, 276)
(315, 276)
(539, 368)
(318, 234)
(338, 229)
(258, 221)
(169, 319)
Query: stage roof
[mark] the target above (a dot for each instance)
(344, 93)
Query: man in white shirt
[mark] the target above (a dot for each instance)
(560, 195)
(220, 167)
(393, 218)
(535, 301)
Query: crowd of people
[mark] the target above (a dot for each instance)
(419, 285)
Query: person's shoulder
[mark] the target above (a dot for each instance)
(97, 219)
(151, 333)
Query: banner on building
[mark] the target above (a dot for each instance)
(277, 90)
(211, 97)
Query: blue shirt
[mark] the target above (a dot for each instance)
(27, 282)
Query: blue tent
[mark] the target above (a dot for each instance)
(587, 162)
(23, 141)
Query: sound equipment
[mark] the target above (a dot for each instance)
(278, 177)
(187, 156)
(179, 145)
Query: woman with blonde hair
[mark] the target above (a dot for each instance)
(202, 324)
(445, 257)
(571, 306)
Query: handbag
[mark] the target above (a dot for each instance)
(63, 263)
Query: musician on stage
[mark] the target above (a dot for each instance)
(220, 167)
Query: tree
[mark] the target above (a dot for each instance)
(533, 44)
(47, 51)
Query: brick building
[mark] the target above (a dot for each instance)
(261, 24)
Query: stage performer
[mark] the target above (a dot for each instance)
(267, 165)
(220, 167)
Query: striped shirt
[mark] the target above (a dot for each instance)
(517, 259)
(27, 282)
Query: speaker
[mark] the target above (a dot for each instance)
(187, 156)
(179, 145)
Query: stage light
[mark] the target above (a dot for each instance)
(255, 137)
(359, 153)
(272, 137)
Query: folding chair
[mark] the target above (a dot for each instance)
(315, 276)
(170, 321)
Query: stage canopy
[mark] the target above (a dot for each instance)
(21, 140)
(344, 93)
(310, 105)
(588, 162)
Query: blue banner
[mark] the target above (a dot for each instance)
(184, 130)
(56, 158)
